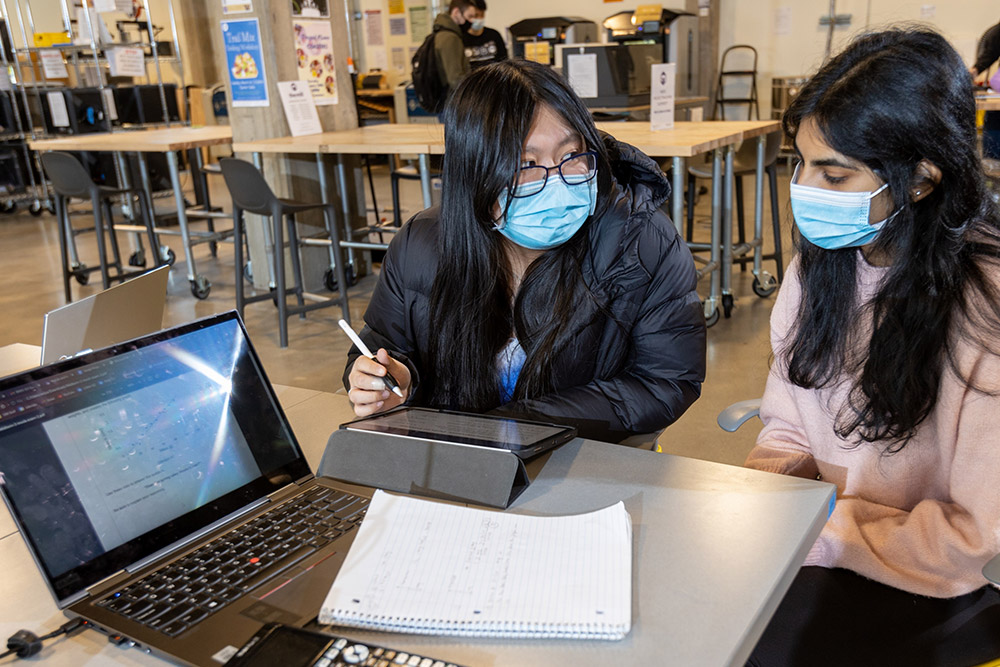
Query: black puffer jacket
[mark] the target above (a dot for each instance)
(634, 372)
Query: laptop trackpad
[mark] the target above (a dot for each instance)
(297, 595)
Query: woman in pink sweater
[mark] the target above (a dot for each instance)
(886, 374)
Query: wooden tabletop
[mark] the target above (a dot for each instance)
(158, 140)
(384, 139)
(687, 139)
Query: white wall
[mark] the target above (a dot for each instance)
(800, 51)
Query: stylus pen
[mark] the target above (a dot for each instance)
(390, 382)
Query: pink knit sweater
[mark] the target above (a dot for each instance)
(924, 520)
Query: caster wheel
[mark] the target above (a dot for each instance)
(80, 273)
(9, 207)
(36, 208)
(200, 287)
(137, 259)
(727, 305)
(167, 254)
(710, 320)
(248, 272)
(765, 287)
(213, 248)
(329, 282)
(50, 207)
(349, 274)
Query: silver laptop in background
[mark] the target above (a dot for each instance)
(131, 309)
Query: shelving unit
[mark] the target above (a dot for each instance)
(88, 66)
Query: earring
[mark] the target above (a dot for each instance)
(917, 193)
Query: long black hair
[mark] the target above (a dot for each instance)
(487, 119)
(890, 100)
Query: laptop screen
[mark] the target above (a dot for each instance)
(109, 457)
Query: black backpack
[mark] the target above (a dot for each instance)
(431, 93)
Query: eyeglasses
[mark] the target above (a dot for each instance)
(574, 170)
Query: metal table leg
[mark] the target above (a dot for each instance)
(200, 286)
(727, 234)
(137, 256)
(166, 254)
(680, 170)
(258, 162)
(324, 184)
(345, 213)
(714, 265)
(425, 178)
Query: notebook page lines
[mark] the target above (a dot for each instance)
(444, 568)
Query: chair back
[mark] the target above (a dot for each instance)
(69, 178)
(247, 186)
(745, 159)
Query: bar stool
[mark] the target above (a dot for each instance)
(745, 163)
(70, 180)
(251, 193)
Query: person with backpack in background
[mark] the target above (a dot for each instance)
(449, 50)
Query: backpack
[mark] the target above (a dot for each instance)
(431, 93)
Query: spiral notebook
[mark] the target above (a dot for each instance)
(424, 567)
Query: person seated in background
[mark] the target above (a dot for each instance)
(987, 54)
(482, 45)
(886, 374)
(548, 284)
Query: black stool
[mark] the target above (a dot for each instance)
(70, 180)
(251, 193)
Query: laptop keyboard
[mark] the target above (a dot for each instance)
(180, 595)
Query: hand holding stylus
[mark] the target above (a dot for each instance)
(373, 377)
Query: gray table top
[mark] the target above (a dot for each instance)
(715, 548)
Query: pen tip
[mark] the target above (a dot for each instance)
(397, 391)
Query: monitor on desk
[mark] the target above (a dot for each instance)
(622, 70)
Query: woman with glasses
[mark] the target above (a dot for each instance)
(548, 284)
(886, 372)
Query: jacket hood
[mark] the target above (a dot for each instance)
(443, 21)
(636, 172)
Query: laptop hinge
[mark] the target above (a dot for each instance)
(194, 537)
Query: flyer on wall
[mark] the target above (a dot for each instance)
(311, 8)
(245, 62)
(314, 56)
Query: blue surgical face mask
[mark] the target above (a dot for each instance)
(831, 219)
(477, 24)
(551, 217)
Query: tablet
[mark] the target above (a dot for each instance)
(523, 438)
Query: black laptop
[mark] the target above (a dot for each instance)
(161, 491)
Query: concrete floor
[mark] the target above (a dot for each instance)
(738, 348)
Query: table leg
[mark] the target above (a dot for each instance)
(200, 286)
(163, 250)
(727, 234)
(135, 239)
(324, 184)
(680, 171)
(345, 212)
(758, 208)
(711, 303)
(425, 178)
(258, 161)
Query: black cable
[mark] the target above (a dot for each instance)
(25, 643)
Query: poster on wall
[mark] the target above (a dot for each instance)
(245, 62)
(314, 57)
(420, 25)
(311, 8)
(237, 6)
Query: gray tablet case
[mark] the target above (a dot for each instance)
(461, 473)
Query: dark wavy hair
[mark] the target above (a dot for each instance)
(487, 119)
(890, 100)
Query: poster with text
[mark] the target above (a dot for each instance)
(313, 9)
(314, 57)
(245, 62)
